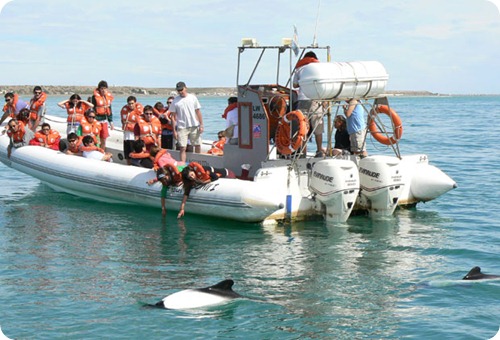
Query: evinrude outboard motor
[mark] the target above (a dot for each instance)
(336, 185)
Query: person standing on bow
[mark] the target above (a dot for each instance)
(311, 108)
(102, 100)
(356, 127)
(13, 105)
(130, 115)
(187, 120)
(37, 107)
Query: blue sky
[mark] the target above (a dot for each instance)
(436, 45)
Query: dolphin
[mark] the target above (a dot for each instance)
(200, 297)
(475, 274)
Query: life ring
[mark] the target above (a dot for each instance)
(285, 143)
(397, 125)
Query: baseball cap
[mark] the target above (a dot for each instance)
(180, 85)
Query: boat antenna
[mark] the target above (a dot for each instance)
(315, 42)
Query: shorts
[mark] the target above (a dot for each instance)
(358, 142)
(167, 139)
(193, 133)
(128, 147)
(314, 112)
(104, 129)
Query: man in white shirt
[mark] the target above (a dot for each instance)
(187, 120)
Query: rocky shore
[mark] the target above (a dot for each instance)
(27, 90)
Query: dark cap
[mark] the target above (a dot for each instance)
(180, 86)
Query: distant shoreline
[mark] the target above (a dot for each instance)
(60, 90)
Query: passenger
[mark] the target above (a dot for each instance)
(102, 100)
(356, 127)
(18, 134)
(169, 101)
(187, 120)
(46, 137)
(168, 176)
(162, 157)
(37, 107)
(130, 114)
(90, 150)
(75, 107)
(194, 175)
(89, 126)
(74, 144)
(231, 115)
(140, 156)
(342, 142)
(218, 146)
(24, 116)
(148, 128)
(167, 131)
(13, 105)
(311, 108)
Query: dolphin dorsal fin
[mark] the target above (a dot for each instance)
(474, 271)
(223, 285)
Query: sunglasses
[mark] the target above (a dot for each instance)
(12, 126)
(45, 129)
(169, 102)
(7, 100)
(36, 92)
(148, 113)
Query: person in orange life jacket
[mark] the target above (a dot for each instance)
(73, 146)
(140, 156)
(37, 107)
(102, 100)
(46, 137)
(148, 128)
(18, 135)
(187, 120)
(167, 131)
(89, 126)
(130, 115)
(90, 150)
(218, 146)
(231, 116)
(311, 108)
(194, 175)
(161, 157)
(24, 116)
(75, 106)
(12, 106)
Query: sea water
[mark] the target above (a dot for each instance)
(72, 268)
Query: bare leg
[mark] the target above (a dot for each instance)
(197, 149)
(183, 153)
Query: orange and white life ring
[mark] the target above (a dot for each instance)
(285, 143)
(397, 126)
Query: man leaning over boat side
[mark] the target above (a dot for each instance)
(18, 134)
(311, 108)
(187, 120)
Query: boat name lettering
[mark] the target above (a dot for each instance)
(323, 177)
(259, 115)
(209, 187)
(369, 173)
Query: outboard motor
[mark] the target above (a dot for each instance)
(382, 183)
(336, 185)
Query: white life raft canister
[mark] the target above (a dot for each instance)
(343, 80)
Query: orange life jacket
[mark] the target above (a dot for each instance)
(93, 129)
(131, 117)
(17, 137)
(149, 131)
(199, 171)
(175, 174)
(76, 147)
(52, 139)
(10, 107)
(75, 113)
(103, 103)
(162, 158)
(230, 107)
(305, 61)
(166, 113)
(36, 104)
(218, 147)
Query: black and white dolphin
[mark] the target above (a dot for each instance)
(475, 274)
(200, 297)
